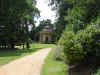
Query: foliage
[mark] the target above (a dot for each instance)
(81, 39)
(81, 46)
(61, 7)
(14, 21)
(98, 72)
(78, 13)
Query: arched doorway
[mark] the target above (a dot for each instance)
(46, 40)
(46, 35)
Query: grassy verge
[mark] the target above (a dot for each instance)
(8, 55)
(53, 67)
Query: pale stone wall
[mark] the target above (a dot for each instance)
(45, 37)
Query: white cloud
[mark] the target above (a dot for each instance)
(45, 11)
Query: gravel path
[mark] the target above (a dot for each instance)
(28, 65)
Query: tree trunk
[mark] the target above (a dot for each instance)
(23, 45)
(27, 35)
(27, 44)
(12, 45)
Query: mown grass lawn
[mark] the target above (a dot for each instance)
(8, 55)
(53, 67)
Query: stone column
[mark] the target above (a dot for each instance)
(41, 37)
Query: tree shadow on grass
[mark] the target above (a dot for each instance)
(16, 52)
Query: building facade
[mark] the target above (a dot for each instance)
(46, 35)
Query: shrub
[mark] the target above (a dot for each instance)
(67, 43)
(90, 41)
(81, 46)
(98, 72)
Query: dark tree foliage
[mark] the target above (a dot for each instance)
(61, 6)
(80, 39)
(75, 14)
(15, 17)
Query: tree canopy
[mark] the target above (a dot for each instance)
(15, 16)
(76, 14)
(81, 35)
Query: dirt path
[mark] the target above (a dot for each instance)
(28, 65)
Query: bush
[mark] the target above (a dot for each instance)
(72, 49)
(81, 46)
(89, 39)
(98, 72)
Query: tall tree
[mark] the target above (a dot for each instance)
(13, 20)
(76, 14)
(61, 7)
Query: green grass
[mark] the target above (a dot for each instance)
(54, 67)
(8, 55)
(39, 46)
(98, 72)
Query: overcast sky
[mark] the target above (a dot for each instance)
(45, 11)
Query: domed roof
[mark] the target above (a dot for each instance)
(47, 28)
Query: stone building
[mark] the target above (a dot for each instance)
(46, 35)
